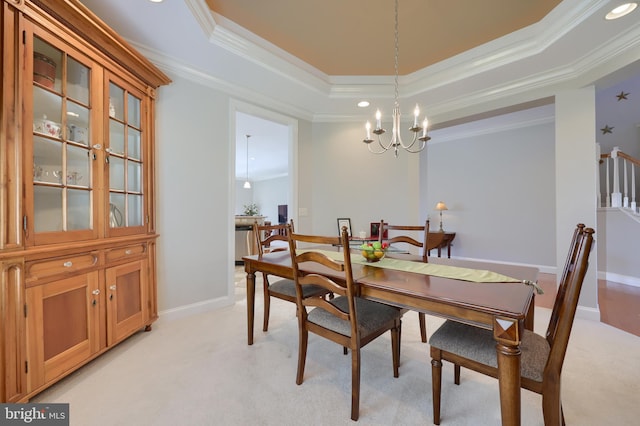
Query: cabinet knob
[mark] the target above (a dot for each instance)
(127, 251)
(68, 264)
(112, 288)
(96, 292)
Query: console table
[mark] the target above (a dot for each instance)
(440, 240)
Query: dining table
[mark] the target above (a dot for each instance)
(505, 305)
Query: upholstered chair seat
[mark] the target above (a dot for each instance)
(478, 344)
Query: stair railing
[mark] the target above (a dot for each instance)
(614, 174)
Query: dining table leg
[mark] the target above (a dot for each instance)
(251, 300)
(507, 334)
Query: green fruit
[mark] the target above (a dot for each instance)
(377, 245)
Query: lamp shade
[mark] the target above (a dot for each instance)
(441, 206)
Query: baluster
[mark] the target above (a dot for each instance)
(625, 200)
(608, 187)
(633, 188)
(599, 181)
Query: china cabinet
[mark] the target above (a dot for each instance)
(77, 235)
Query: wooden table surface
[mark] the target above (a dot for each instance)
(505, 308)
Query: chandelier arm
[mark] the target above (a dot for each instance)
(382, 145)
(415, 138)
(423, 145)
(382, 151)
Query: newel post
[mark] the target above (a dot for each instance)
(616, 195)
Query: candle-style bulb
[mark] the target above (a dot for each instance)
(416, 113)
(378, 117)
(425, 123)
(368, 127)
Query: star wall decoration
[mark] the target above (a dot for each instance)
(606, 129)
(622, 96)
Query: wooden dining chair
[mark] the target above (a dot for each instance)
(407, 234)
(348, 320)
(542, 356)
(274, 238)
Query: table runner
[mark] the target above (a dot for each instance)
(444, 271)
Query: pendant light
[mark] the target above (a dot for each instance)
(419, 138)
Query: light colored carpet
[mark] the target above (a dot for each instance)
(200, 371)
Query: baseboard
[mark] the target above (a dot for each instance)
(602, 275)
(592, 314)
(542, 268)
(194, 308)
(618, 278)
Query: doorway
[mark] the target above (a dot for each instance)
(269, 165)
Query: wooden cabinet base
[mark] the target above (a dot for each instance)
(73, 315)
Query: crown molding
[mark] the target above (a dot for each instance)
(452, 75)
(175, 67)
(534, 117)
(228, 35)
(511, 48)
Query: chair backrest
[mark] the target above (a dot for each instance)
(321, 264)
(394, 237)
(569, 266)
(567, 297)
(266, 235)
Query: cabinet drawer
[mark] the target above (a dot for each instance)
(39, 269)
(127, 252)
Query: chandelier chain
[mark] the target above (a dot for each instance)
(397, 103)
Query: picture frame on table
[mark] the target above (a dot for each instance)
(344, 221)
(375, 230)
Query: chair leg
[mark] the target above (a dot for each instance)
(355, 384)
(303, 337)
(267, 303)
(436, 387)
(423, 327)
(456, 374)
(552, 406)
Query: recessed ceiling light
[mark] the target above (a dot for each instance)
(363, 104)
(620, 11)
(155, 1)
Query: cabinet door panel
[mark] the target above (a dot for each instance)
(60, 107)
(62, 326)
(64, 318)
(127, 305)
(128, 153)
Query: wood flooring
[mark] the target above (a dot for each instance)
(619, 304)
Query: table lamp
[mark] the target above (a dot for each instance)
(441, 206)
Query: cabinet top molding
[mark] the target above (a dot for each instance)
(76, 16)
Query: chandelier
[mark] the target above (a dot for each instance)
(247, 184)
(395, 141)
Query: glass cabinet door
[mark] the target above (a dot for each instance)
(62, 177)
(125, 157)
